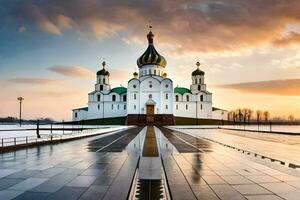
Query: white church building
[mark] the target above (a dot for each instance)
(150, 97)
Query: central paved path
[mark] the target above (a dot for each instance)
(104, 167)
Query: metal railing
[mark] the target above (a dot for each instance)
(27, 140)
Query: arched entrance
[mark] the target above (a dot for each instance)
(150, 114)
(150, 106)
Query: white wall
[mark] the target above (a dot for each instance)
(158, 90)
(81, 115)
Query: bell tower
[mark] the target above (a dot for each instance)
(102, 83)
(198, 80)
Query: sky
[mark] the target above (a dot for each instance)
(50, 51)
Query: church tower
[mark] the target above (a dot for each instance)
(103, 80)
(198, 80)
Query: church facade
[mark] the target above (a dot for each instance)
(150, 96)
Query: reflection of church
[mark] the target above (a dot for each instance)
(150, 96)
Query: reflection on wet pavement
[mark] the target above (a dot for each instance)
(104, 167)
(226, 174)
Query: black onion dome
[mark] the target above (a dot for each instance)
(198, 71)
(103, 71)
(151, 56)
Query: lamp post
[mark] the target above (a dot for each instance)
(20, 99)
(222, 118)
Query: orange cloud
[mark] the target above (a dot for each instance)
(33, 81)
(189, 26)
(287, 87)
(292, 39)
(72, 71)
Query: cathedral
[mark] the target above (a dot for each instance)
(150, 97)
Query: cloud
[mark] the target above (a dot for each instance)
(188, 26)
(33, 81)
(288, 62)
(72, 71)
(286, 87)
(291, 39)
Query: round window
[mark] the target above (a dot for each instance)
(134, 86)
(167, 85)
(150, 96)
(150, 86)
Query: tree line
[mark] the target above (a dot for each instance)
(247, 115)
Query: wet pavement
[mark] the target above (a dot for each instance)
(281, 147)
(106, 167)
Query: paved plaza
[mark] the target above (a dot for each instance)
(152, 163)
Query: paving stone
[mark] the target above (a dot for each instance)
(203, 192)
(92, 172)
(8, 182)
(236, 180)
(103, 180)
(54, 183)
(263, 197)
(262, 179)
(82, 181)
(67, 193)
(94, 192)
(214, 180)
(28, 184)
(23, 174)
(32, 196)
(48, 173)
(6, 172)
(226, 192)
(9, 194)
(251, 189)
(280, 188)
(290, 196)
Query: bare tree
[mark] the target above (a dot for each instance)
(245, 114)
(258, 115)
(291, 117)
(266, 115)
(249, 116)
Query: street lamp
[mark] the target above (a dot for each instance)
(222, 118)
(20, 99)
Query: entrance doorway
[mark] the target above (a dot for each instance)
(150, 114)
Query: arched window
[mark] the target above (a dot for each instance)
(124, 106)
(76, 115)
(201, 106)
(176, 106)
(177, 98)
(124, 98)
(201, 97)
(118, 106)
(98, 107)
(187, 98)
(134, 96)
(113, 97)
(186, 106)
(112, 106)
(98, 97)
(167, 107)
(103, 80)
(167, 96)
(101, 87)
(134, 107)
(199, 87)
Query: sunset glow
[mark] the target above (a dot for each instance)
(51, 50)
